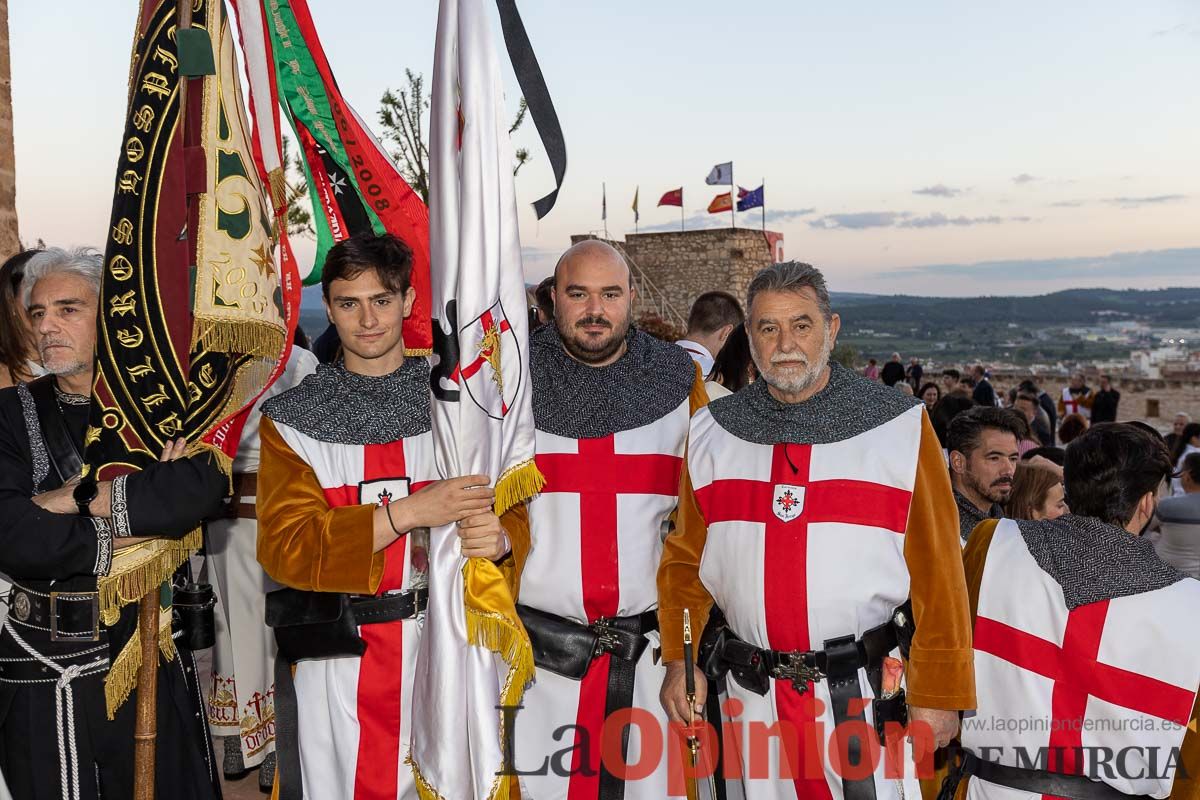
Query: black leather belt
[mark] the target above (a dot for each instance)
(838, 663)
(68, 616)
(389, 607)
(1040, 781)
(566, 647)
(320, 618)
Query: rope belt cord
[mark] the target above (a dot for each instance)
(67, 747)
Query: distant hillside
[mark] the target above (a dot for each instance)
(1070, 307)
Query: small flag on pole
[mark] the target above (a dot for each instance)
(720, 203)
(672, 198)
(721, 175)
(603, 202)
(636, 218)
(749, 199)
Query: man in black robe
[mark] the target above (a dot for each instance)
(58, 534)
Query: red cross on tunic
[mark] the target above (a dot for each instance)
(1070, 404)
(599, 474)
(1077, 675)
(381, 668)
(785, 563)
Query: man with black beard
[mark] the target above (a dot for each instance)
(982, 443)
(611, 406)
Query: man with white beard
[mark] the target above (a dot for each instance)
(815, 511)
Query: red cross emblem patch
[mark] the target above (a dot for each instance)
(384, 491)
(788, 502)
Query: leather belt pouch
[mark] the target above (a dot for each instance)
(313, 624)
(559, 645)
(892, 709)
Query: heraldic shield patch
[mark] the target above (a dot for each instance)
(788, 502)
(490, 367)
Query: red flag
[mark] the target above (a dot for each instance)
(672, 198)
(722, 202)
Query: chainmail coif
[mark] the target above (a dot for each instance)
(1093, 561)
(343, 407)
(847, 406)
(578, 401)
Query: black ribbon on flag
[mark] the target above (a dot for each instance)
(537, 98)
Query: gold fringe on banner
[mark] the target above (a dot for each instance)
(142, 568)
(122, 676)
(244, 336)
(418, 352)
(517, 484)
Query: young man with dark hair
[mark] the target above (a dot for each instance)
(1080, 635)
(347, 482)
(713, 317)
(983, 453)
(951, 380)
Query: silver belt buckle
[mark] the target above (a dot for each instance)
(799, 672)
(75, 597)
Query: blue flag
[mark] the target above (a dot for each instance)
(749, 200)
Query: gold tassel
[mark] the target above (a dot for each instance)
(278, 187)
(121, 679)
(518, 483)
(418, 351)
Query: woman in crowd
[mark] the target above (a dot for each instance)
(732, 368)
(1178, 543)
(1073, 425)
(1187, 443)
(18, 355)
(1037, 493)
(930, 393)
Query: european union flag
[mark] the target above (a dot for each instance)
(749, 200)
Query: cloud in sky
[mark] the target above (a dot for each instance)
(1135, 202)
(939, 190)
(1067, 204)
(1113, 268)
(863, 220)
(1024, 178)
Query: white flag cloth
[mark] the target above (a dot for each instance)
(721, 175)
(475, 655)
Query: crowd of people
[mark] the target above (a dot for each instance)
(853, 553)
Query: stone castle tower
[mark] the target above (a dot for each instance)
(671, 269)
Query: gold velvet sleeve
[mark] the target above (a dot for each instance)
(516, 525)
(302, 542)
(679, 584)
(1187, 776)
(941, 663)
(974, 559)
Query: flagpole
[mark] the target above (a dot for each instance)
(763, 189)
(682, 227)
(604, 207)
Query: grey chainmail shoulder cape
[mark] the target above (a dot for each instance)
(847, 406)
(576, 401)
(342, 407)
(1093, 561)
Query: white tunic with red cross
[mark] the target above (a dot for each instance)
(1073, 404)
(596, 532)
(1111, 680)
(354, 713)
(805, 543)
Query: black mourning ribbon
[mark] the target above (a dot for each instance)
(537, 98)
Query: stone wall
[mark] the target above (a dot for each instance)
(685, 264)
